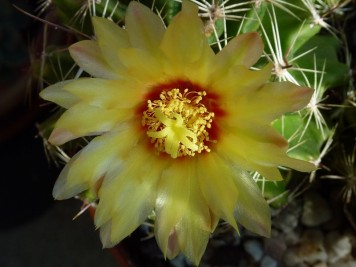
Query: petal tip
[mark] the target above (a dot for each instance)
(189, 7)
(59, 190)
(253, 36)
(43, 94)
(134, 5)
(76, 48)
(96, 21)
(59, 137)
(310, 167)
(303, 96)
(136, 9)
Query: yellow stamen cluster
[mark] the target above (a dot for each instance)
(177, 123)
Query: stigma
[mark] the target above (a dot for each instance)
(178, 123)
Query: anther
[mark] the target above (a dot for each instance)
(177, 123)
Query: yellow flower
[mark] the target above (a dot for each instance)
(178, 129)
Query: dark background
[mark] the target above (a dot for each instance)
(35, 230)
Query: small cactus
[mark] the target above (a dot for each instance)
(305, 43)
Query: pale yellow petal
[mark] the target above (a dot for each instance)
(195, 226)
(83, 120)
(240, 148)
(145, 29)
(128, 196)
(105, 235)
(203, 68)
(239, 81)
(270, 173)
(255, 134)
(107, 94)
(243, 49)
(281, 158)
(237, 156)
(56, 94)
(271, 101)
(247, 131)
(110, 38)
(132, 170)
(171, 204)
(254, 128)
(231, 153)
(142, 65)
(173, 248)
(89, 165)
(252, 210)
(214, 220)
(245, 149)
(246, 204)
(89, 57)
(185, 45)
(184, 38)
(62, 190)
(218, 188)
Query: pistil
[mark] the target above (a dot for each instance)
(178, 123)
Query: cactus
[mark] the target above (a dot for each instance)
(306, 43)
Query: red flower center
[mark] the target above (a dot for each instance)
(180, 120)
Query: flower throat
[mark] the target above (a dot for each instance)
(178, 122)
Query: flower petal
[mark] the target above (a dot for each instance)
(218, 188)
(133, 59)
(171, 204)
(56, 94)
(272, 101)
(105, 93)
(110, 38)
(203, 68)
(138, 164)
(89, 165)
(239, 81)
(270, 173)
(235, 155)
(244, 49)
(252, 210)
(236, 189)
(185, 45)
(281, 158)
(83, 120)
(195, 226)
(105, 235)
(239, 152)
(184, 221)
(128, 196)
(88, 56)
(244, 149)
(214, 220)
(260, 131)
(61, 188)
(145, 29)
